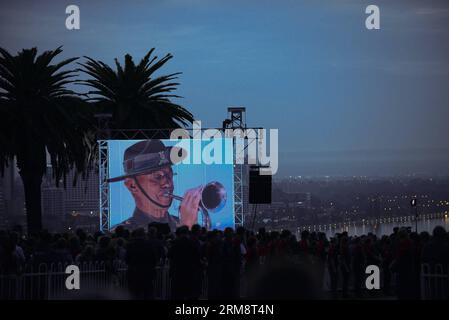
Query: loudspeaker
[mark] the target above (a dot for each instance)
(259, 187)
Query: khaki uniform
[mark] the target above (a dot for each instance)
(140, 219)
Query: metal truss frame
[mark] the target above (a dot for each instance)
(240, 170)
(104, 186)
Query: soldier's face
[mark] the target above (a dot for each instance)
(156, 185)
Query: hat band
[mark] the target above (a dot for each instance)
(145, 162)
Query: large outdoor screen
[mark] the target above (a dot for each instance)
(146, 186)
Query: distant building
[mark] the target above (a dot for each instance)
(64, 207)
(13, 198)
(53, 209)
(82, 198)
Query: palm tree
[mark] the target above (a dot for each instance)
(40, 116)
(134, 97)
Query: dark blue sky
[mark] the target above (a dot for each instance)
(346, 101)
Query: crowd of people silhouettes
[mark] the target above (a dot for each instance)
(240, 263)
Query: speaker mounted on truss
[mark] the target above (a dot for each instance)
(259, 186)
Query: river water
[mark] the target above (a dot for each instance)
(382, 226)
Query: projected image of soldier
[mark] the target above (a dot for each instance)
(149, 178)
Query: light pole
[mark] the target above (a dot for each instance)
(413, 204)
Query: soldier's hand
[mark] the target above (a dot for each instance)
(189, 207)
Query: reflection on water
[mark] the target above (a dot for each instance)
(382, 227)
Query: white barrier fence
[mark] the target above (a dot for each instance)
(434, 282)
(47, 282)
(99, 280)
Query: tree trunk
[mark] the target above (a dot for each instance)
(31, 162)
(32, 187)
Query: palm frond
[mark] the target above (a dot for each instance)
(132, 93)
